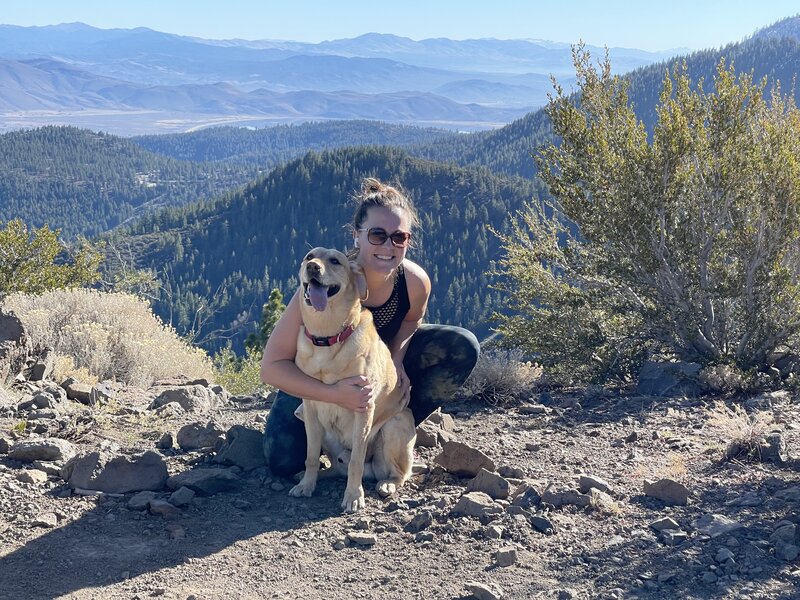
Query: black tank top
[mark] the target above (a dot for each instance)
(389, 315)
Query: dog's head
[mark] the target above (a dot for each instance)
(328, 277)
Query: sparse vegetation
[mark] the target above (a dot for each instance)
(112, 336)
(501, 376)
(742, 432)
(239, 374)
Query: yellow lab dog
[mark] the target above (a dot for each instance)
(338, 340)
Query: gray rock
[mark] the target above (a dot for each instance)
(141, 500)
(166, 441)
(665, 523)
(463, 460)
(80, 392)
(787, 552)
(102, 393)
(47, 520)
(476, 504)
(427, 435)
(783, 534)
(362, 538)
(669, 379)
(484, 591)
(527, 495)
(505, 557)
(15, 346)
(723, 555)
(534, 409)
(601, 501)
(116, 474)
(32, 476)
(51, 467)
(195, 436)
(791, 494)
(163, 508)
(494, 532)
(709, 577)
(43, 367)
(559, 494)
(668, 491)
(192, 398)
(204, 482)
(170, 410)
(435, 430)
(543, 525)
(183, 496)
(489, 483)
(587, 482)
(673, 537)
(419, 522)
(42, 449)
(773, 449)
(511, 472)
(714, 525)
(5, 445)
(243, 447)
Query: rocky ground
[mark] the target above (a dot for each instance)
(582, 494)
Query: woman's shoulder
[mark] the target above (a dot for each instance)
(417, 279)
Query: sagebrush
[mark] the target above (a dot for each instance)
(501, 376)
(111, 335)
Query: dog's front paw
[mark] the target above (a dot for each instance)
(353, 500)
(386, 488)
(304, 488)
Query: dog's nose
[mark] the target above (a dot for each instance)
(312, 268)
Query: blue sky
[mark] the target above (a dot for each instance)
(691, 24)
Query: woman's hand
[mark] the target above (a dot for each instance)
(353, 393)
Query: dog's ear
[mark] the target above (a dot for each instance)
(360, 280)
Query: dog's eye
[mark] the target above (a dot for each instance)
(309, 256)
(335, 261)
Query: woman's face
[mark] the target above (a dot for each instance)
(385, 257)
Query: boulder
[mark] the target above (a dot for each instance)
(243, 447)
(43, 367)
(80, 392)
(489, 483)
(42, 449)
(668, 491)
(669, 379)
(116, 474)
(192, 398)
(195, 436)
(477, 504)
(204, 482)
(15, 347)
(463, 460)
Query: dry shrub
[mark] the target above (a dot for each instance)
(722, 378)
(741, 431)
(501, 376)
(64, 366)
(111, 335)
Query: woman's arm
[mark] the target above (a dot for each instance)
(419, 290)
(279, 370)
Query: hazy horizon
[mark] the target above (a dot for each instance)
(681, 25)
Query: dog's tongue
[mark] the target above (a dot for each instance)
(318, 294)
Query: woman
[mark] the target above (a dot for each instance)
(432, 361)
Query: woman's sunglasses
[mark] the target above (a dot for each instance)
(377, 236)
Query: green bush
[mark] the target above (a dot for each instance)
(684, 242)
(239, 375)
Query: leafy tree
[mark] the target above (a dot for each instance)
(687, 243)
(35, 261)
(270, 313)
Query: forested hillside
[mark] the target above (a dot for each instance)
(236, 249)
(269, 146)
(86, 183)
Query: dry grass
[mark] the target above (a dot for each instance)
(742, 432)
(501, 376)
(107, 336)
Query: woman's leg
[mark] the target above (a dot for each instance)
(285, 437)
(438, 361)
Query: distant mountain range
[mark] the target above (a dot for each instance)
(143, 81)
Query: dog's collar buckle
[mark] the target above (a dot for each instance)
(332, 340)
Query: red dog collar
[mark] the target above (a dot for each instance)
(330, 341)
